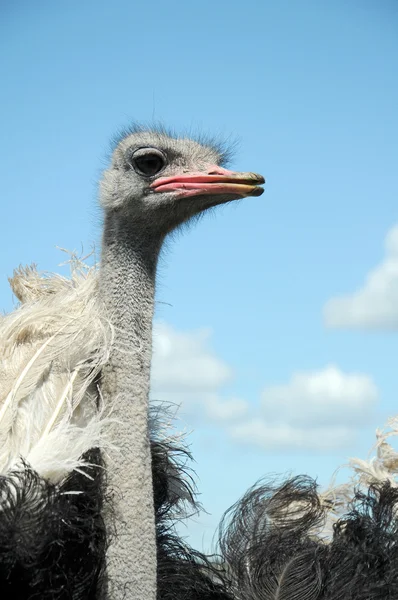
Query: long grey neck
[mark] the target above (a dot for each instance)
(127, 285)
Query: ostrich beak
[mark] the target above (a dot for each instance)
(215, 180)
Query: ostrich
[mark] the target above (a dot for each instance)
(79, 443)
(155, 183)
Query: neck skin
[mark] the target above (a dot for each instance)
(127, 286)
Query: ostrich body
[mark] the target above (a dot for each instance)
(155, 184)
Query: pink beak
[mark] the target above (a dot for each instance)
(215, 181)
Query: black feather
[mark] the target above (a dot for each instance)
(52, 542)
(270, 542)
(265, 541)
(362, 561)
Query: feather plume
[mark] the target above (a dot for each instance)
(52, 348)
(379, 467)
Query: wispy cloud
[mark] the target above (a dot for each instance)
(375, 304)
(256, 432)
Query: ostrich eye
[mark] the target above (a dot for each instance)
(148, 162)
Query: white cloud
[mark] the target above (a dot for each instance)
(184, 361)
(186, 371)
(321, 398)
(375, 305)
(315, 410)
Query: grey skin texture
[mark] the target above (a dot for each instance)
(136, 221)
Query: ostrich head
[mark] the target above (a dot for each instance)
(159, 182)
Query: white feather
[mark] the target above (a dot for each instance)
(52, 347)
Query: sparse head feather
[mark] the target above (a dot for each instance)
(222, 147)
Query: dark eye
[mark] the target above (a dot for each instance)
(148, 162)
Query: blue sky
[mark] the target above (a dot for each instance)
(290, 378)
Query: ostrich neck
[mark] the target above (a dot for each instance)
(127, 285)
(127, 288)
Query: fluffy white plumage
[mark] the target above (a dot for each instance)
(52, 348)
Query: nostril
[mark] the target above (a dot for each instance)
(216, 170)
